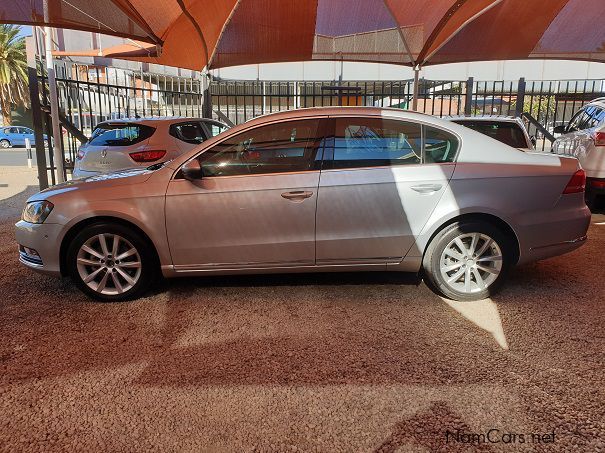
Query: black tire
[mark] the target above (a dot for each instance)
(149, 269)
(5, 144)
(432, 257)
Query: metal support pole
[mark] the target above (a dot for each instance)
(28, 149)
(59, 158)
(519, 106)
(416, 88)
(468, 97)
(34, 96)
(206, 96)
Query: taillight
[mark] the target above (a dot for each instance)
(147, 156)
(599, 138)
(81, 154)
(577, 183)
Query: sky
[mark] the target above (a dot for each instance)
(25, 30)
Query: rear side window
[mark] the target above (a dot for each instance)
(190, 132)
(120, 134)
(216, 129)
(375, 142)
(440, 147)
(504, 131)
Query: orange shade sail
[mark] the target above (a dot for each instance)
(217, 33)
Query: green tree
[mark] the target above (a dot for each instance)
(13, 71)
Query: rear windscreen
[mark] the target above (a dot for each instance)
(503, 131)
(122, 134)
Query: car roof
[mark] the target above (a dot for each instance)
(502, 118)
(160, 119)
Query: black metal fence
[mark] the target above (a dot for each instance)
(543, 104)
(89, 94)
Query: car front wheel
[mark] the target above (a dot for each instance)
(110, 262)
(468, 261)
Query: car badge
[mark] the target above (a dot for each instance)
(104, 153)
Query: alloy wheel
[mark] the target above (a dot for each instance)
(109, 264)
(471, 262)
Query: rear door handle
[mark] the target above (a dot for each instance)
(297, 195)
(427, 188)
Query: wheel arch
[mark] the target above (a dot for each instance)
(492, 219)
(77, 227)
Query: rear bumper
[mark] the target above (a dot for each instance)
(554, 232)
(79, 174)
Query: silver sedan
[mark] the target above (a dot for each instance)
(330, 189)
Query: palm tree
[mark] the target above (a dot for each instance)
(13, 71)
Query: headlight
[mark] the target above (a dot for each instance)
(37, 211)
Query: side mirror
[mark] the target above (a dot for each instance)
(192, 170)
(559, 129)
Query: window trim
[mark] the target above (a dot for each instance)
(321, 136)
(329, 151)
(173, 126)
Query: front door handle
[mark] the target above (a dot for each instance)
(427, 188)
(297, 195)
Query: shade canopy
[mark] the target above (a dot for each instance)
(216, 33)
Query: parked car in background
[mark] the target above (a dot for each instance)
(127, 143)
(15, 136)
(584, 138)
(324, 189)
(505, 129)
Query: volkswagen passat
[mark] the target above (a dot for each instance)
(333, 189)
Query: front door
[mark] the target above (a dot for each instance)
(255, 205)
(379, 189)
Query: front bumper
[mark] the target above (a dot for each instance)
(44, 238)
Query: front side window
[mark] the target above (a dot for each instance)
(14, 130)
(120, 134)
(190, 132)
(275, 148)
(374, 142)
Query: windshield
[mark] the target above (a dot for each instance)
(504, 131)
(120, 134)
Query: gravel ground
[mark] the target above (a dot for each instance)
(362, 362)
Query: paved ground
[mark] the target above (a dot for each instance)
(15, 157)
(304, 363)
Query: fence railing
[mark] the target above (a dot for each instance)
(550, 102)
(89, 94)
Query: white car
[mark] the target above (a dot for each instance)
(129, 143)
(505, 129)
(584, 138)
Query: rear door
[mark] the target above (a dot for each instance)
(379, 184)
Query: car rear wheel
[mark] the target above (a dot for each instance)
(110, 262)
(5, 143)
(468, 261)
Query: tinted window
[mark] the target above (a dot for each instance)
(439, 146)
(575, 124)
(14, 130)
(120, 134)
(216, 129)
(372, 142)
(282, 147)
(503, 131)
(191, 132)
